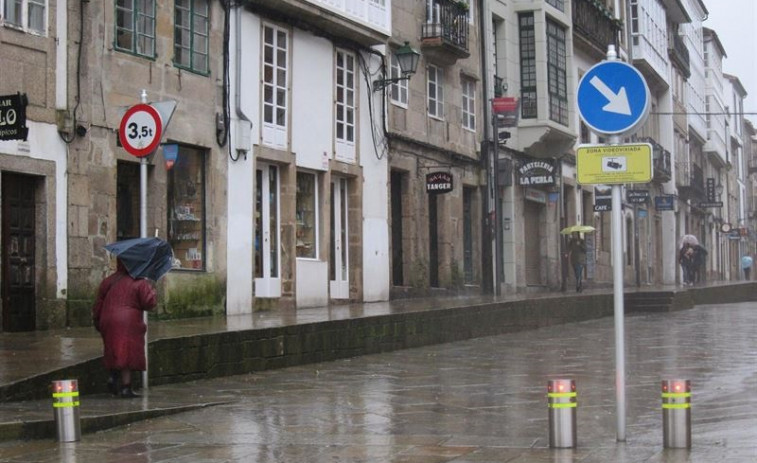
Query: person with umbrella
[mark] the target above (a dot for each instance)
(577, 250)
(577, 255)
(122, 298)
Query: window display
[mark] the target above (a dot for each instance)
(306, 215)
(186, 209)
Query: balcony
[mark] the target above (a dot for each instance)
(444, 37)
(594, 25)
(368, 22)
(690, 180)
(679, 55)
(661, 161)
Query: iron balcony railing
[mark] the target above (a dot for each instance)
(661, 161)
(680, 54)
(595, 23)
(448, 20)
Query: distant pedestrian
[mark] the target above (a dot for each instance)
(686, 260)
(698, 264)
(746, 266)
(577, 256)
(117, 315)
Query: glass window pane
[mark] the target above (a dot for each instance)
(273, 195)
(37, 16)
(306, 215)
(186, 209)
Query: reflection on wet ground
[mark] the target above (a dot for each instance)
(479, 401)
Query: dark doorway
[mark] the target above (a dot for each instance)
(127, 201)
(397, 257)
(433, 242)
(468, 234)
(18, 229)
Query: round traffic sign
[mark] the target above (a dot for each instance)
(140, 130)
(613, 98)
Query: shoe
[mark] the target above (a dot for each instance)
(112, 387)
(128, 393)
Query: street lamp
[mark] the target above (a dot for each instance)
(719, 189)
(408, 62)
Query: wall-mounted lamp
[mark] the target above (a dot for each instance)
(719, 189)
(408, 61)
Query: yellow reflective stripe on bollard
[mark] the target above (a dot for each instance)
(562, 394)
(57, 395)
(65, 404)
(676, 395)
(676, 406)
(563, 405)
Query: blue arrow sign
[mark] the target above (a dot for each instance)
(613, 98)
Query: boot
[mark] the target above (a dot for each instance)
(113, 383)
(127, 392)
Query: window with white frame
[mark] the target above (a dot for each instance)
(191, 28)
(345, 97)
(469, 104)
(29, 15)
(399, 90)
(135, 27)
(435, 92)
(275, 89)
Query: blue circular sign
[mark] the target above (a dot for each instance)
(613, 98)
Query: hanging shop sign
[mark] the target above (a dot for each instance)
(505, 111)
(13, 117)
(534, 173)
(664, 202)
(637, 196)
(439, 182)
(602, 198)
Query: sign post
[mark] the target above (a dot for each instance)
(140, 131)
(613, 99)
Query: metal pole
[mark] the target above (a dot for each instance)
(143, 225)
(498, 236)
(619, 312)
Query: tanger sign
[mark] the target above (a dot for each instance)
(439, 182)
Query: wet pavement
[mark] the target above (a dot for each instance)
(481, 401)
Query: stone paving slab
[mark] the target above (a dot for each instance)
(475, 401)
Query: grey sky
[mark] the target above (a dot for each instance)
(735, 22)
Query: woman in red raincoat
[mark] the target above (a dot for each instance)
(117, 315)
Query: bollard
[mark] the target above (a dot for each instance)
(561, 400)
(676, 414)
(66, 410)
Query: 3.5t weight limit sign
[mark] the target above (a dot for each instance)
(141, 129)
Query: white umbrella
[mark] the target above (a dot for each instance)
(690, 240)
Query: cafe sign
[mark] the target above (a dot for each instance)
(13, 117)
(535, 173)
(439, 182)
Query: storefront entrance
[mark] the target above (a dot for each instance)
(18, 256)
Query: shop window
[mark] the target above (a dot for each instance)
(186, 209)
(307, 215)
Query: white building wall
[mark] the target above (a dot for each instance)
(245, 104)
(693, 37)
(312, 100)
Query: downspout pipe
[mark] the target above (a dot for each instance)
(238, 62)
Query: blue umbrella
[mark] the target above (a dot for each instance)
(144, 257)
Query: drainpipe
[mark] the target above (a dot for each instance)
(245, 123)
(490, 270)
